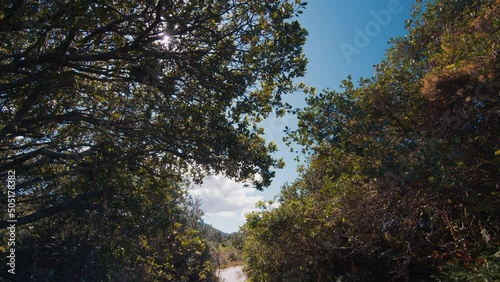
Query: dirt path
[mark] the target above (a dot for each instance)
(232, 274)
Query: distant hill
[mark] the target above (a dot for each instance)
(213, 234)
(225, 248)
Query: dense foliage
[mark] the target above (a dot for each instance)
(402, 179)
(107, 107)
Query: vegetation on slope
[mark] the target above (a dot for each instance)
(402, 179)
(225, 249)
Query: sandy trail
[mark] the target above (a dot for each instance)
(232, 274)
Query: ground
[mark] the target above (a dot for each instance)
(232, 274)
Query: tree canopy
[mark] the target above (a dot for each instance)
(402, 179)
(104, 104)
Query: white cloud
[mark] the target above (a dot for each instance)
(223, 197)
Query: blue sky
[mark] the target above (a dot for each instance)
(345, 38)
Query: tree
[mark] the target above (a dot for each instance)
(165, 81)
(402, 181)
(166, 90)
(141, 231)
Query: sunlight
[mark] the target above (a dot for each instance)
(166, 39)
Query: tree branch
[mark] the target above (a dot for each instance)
(46, 212)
